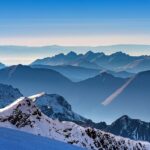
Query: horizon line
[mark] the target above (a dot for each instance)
(48, 45)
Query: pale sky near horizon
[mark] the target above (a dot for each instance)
(71, 23)
(74, 22)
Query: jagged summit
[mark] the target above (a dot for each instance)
(71, 54)
(55, 106)
(90, 52)
(23, 115)
(118, 61)
(119, 53)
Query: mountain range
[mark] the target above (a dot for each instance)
(76, 73)
(118, 61)
(34, 80)
(28, 54)
(23, 115)
(50, 81)
(56, 107)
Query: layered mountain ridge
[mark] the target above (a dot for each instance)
(90, 93)
(118, 61)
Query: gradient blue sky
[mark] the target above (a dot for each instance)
(74, 22)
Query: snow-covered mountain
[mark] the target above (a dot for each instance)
(9, 141)
(56, 107)
(23, 115)
(8, 94)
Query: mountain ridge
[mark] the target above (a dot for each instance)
(23, 115)
(118, 61)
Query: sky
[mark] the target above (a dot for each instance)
(74, 22)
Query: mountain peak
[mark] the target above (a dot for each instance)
(89, 52)
(55, 106)
(105, 74)
(59, 55)
(119, 53)
(94, 54)
(19, 66)
(124, 117)
(71, 54)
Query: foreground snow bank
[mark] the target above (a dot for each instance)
(16, 140)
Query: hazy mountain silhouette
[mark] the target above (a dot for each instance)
(74, 73)
(118, 61)
(2, 65)
(30, 80)
(86, 97)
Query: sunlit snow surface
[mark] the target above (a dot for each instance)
(16, 140)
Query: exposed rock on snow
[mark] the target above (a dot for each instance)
(56, 107)
(23, 115)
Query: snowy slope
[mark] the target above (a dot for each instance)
(9, 141)
(23, 115)
(8, 94)
(55, 106)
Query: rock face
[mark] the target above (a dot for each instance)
(131, 128)
(23, 115)
(56, 107)
(8, 94)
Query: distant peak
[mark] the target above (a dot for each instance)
(105, 73)
(89, 53)
(119, 53)
(124, 117)
(20, 66)
(71, 54)
(59, 55)
(94, 53)
(16, 67)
